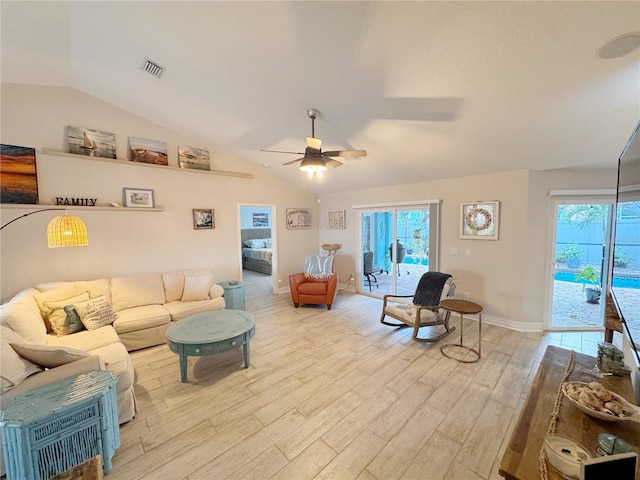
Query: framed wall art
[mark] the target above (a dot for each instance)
(93, 143)
(203, 219)
(193, 158)
(137, 198)
(480, 221)
(19, 177)
(148, 151)
(335, 220)
(298, 218)
(261, 219)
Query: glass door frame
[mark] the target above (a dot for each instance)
(571, 197)
(393, 208)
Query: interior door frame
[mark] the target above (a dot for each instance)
(572, 197)
(274, 241)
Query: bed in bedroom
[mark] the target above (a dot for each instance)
(256, 249)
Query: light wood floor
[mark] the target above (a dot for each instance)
(331, 395)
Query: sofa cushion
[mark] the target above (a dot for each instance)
(95, 312)
(313, 288)
(53, 291)
(136, 291)
(101, 286)
(48, 356)
(196, 287)
(87, 340)
(180, 310)
(119, 362)
(139, 318)
(23, 316)
(173, 285)
(13, 368)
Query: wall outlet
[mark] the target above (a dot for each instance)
(351, 277)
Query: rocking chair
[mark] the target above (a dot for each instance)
(423, 311)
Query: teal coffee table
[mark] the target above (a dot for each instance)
(208, 333)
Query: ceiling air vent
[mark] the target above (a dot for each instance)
(152, 68)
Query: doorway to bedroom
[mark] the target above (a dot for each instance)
(257, 247)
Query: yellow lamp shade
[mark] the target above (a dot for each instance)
(67, 231)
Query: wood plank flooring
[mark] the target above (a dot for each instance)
(331, 395)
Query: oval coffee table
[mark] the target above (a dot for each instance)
(208, 333)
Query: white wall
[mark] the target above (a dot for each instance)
(506, 276)
(124, 242)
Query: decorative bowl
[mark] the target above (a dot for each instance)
(629, 412)
(565, 455)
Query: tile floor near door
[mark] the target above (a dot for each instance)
(331, 395)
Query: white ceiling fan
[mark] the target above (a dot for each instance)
(315, 161)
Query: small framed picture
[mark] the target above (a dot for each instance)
(335, 220)
(479, 221)
(137, 198)
(203, 219)
(261, 219)
(298, 218)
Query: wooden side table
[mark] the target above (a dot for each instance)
(233, 294)
(54, 427)
(463, 307)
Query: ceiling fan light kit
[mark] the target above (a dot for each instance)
(315, 161)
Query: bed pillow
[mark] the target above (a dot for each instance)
(267, 243)
(48, 356)
(255, 243)
(95, 312)
(196, 287)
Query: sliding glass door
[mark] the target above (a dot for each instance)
(398, 246)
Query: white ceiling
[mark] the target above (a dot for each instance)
(431, 90)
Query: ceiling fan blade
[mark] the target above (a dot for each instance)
(314, 143)
(280, 151)
(346, 153)
(332, 162)
(293, 161)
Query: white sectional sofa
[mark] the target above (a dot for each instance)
(136, 311)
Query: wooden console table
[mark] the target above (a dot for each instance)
(520, 460)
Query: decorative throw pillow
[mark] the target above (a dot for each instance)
(196, 287)
(56, 314)
(318, 266)
(48, 356)
(73, 319)
(95, 312)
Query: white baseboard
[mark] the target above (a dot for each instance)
(512, 324)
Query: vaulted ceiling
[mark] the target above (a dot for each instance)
(431, 90)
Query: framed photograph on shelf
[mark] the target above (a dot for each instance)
(298, 218)
(203, 219)
(137, 198)
(193, 158)
(93, 143)
(19, 177)
(480, 220)
(335, 220)
(148, 151)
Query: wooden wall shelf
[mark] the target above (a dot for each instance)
(100, 207)
(121, 161)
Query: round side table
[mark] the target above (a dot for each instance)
(463, 307)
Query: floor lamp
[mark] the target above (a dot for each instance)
(62, 231)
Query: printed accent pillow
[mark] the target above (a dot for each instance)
(56, 314)
(196, 287)
(318, 266)
(95, 312)
(48, 356)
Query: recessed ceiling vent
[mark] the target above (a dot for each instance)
(152, 68)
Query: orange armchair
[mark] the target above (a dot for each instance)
(317, 285)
